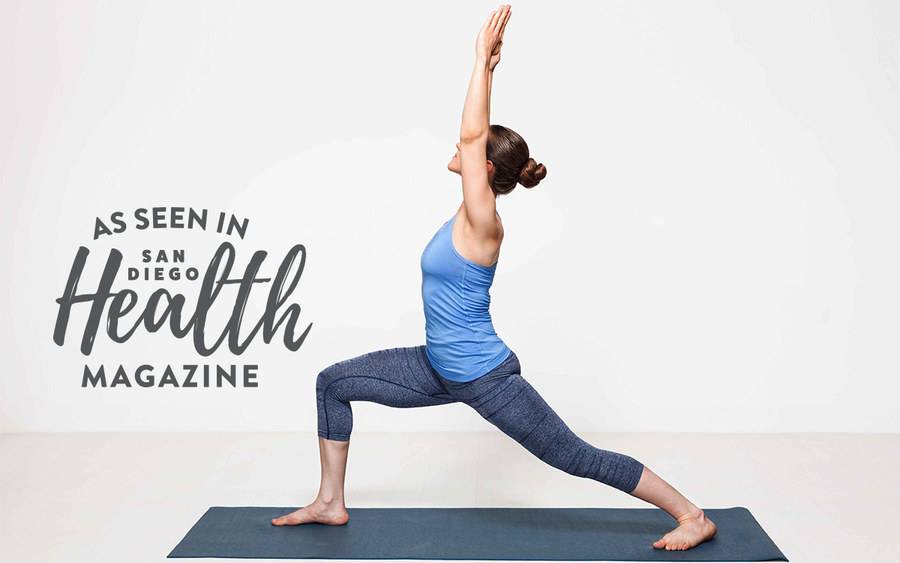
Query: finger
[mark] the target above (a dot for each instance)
(505, 20)
(487, 22)
(496, 20)
(495, 16)
(501, 19)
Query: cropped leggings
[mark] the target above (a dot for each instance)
(404, 378)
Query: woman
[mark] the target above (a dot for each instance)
(463, 358)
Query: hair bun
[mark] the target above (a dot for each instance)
(532, 173)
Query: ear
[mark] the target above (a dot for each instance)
(490, 167)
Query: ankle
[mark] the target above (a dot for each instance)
(693, 513)
(330, 500)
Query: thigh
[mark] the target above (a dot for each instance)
(516, 408)
(396, 377)
(508, 401)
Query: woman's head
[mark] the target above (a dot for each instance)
(509, 162)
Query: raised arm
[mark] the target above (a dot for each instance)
(478, 198)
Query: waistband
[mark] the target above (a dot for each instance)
(506, 367)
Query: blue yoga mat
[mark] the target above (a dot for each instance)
(547, 534)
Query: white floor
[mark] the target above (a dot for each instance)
(131, 497)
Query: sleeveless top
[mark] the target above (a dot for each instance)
(460, 340)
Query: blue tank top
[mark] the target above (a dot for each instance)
(460, 340)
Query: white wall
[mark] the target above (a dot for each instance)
(714, 248)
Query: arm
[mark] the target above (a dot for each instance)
(477, 107)
(478, 198)
(489, 81)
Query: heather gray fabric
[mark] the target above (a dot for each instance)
(524, 534)
(403, 377)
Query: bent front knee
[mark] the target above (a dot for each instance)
(326, 376)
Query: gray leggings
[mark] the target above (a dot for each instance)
(403, 377)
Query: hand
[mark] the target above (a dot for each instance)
(495, 57)
(490, 38)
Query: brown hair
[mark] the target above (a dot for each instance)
(512, 163)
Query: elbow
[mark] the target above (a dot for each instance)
(472, 136)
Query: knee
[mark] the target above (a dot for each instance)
(564, 449)
(325, 377)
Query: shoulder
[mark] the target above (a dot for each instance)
(484, 229)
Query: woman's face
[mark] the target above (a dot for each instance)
(453, 165)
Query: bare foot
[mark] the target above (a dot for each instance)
(333, 513)
(693, 529)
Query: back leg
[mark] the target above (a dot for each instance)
(517, 409)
